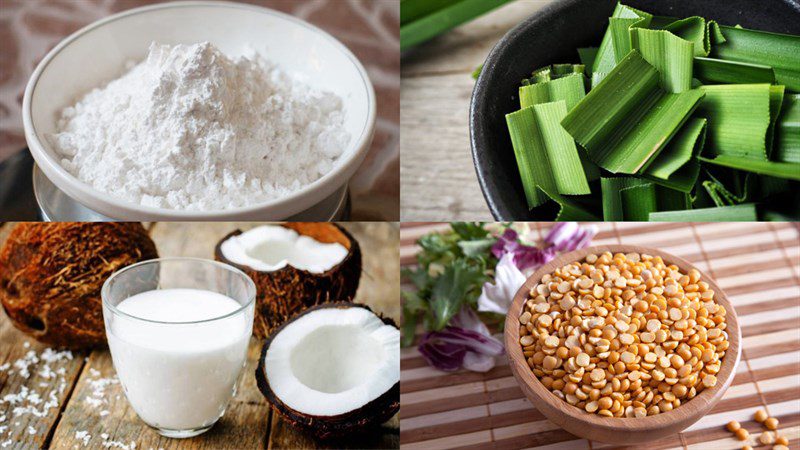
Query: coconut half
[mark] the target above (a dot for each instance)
(294, 266)
(332, 370)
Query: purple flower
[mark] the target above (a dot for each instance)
(525, 256)
(465, 343)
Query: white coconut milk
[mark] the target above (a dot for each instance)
(179, 376)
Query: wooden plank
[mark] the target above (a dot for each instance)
(30, 427)
(244, 424)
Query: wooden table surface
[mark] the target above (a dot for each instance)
(248, 423)
(435, 90)
(758, 267)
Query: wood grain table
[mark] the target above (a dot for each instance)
(437, 177)
(248, 423)
(758, 267)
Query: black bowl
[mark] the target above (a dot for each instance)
(552, 36)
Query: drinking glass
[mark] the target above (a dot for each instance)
(179, 376)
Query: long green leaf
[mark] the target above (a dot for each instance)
(693, 29)
(411, 10)
(554, 72)
(737, 213)
(587, 56)
(738, 118)
(677, 166)
(779, 51)
(711, 70)
(787, 130)
(627, 119)
(617, 37)
(570, 89)
(790, 171)
(669, 54)
(445, 19)
(775, 104)
(569, 208)
(546, 154)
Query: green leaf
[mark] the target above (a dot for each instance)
(569, 88)
(628, 119)
(418, 277)
(469, 230)
(677, 166)
(711, 70)
(775, 104)
(413, 302)
(450, 291)
(476, 247)
(693, 29)
(442, 20)
(738, 117)
(778, 51)
(546, 155)
(614, 206)
(737, 213)
(790, 171)
(616, 41)
(669, 54)
(554, 72)
(409, 328)
(787, 131)
(570, 209)
(587, 56)
(638, 202)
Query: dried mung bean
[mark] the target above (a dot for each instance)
(624, 335)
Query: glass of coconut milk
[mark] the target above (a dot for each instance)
(178, 330)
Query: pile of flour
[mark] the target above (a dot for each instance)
(190, 128)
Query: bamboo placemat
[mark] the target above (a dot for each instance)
(758, 266)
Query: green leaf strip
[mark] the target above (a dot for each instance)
(790, 171)
(546, 155)
(736, 213)
(615, 206)
(618, 37)
(677, 166)
(627, 119)
(779, 51)
(787, 131)
(712, 71)
(669, 54)
(569, 88)
(738, 118)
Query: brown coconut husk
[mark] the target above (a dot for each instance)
(284, 293)
(368, 416)
(51, 275)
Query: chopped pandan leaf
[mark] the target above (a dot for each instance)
(787, 131)
(617, 42)
(677, 166)
(571, 208)
(569, 88)
(546, 155)
(775, 104)
(735, 213)
(693, 29)
(738, 118)
(454, 13)
(626, 120)
(669, 199)
(638, 203)
(669, 54)
(587, 56)
(712, 71)
(477, 72)
(553, 72)
(726, 187)
(779, 51)
(790, 171)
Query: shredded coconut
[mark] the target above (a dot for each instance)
(190, 128)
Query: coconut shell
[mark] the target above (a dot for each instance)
(51, 275)
(283, 293)
(370, 415)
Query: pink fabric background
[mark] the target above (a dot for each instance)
(370, 28)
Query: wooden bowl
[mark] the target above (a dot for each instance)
(611, 429)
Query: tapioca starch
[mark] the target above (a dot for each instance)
(191, 128)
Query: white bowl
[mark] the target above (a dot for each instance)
(96, 54)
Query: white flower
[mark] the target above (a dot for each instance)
(508, 279)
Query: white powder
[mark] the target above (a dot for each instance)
(190, 128)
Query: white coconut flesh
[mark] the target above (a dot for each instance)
(332, 361)
(268, 248)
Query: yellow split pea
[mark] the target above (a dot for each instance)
(623, 335)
